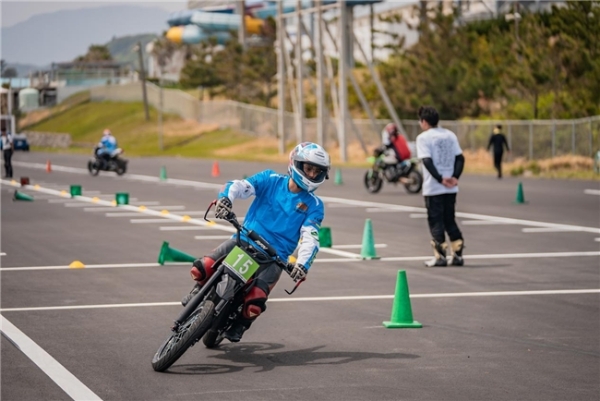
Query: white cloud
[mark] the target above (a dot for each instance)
(14, 11)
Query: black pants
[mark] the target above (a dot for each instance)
(7, 154)
(498, 163)
(440, 216)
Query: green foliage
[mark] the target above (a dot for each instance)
(95, 53)
(549, 68)
(243, 75)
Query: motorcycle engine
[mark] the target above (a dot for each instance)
(390, 172)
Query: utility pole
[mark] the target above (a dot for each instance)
(342, 76)
(143, 79)
(299, 73)
(241, 9)
(321, 124)
(160, 112)
(281, 78)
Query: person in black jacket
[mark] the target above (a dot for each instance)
(498, 140)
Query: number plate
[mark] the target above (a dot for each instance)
(241, 263)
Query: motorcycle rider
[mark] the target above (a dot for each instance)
(106, 146)
(394, 146)
(284, 211)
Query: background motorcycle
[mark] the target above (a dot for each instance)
(406, 173)
(219, 303)
(114, 163)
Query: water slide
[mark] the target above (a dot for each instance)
(195, 26)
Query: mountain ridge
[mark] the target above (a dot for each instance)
(61, 36)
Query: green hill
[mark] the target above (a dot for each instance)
(136, 136)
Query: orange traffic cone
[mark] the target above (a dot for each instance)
(215, 169)
(48, 167)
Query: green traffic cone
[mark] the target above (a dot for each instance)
(168, 254)
(325, 237)
(21, 196)
(163, 173)
(368, 244)
(520, 195)
(338, 177)
(402, 317)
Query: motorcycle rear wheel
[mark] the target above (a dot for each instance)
(373, 181)
(416, 182)
(190, 331)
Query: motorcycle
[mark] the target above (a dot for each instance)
(405, 173)
(114, 163)
(218, 304)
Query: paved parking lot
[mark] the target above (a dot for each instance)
(518, 321)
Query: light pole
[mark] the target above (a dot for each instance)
(516, 17)
(138, 47)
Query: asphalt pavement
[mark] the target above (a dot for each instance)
(519, 321)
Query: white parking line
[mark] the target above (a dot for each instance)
(212, 237)
(328, 200)
(592, 192)
(350, 257)
(546, 230)
(482, 222)
(502, 256)
(357, 246)
(379, 210)
(50, 366)
(184, 228)
(2, 253)
(417, 216)
(147, 221)
(312, 299)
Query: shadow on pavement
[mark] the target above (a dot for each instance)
(261, 355)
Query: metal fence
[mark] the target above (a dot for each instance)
(530, 139)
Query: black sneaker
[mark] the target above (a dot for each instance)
(189, 296)
(234, 334)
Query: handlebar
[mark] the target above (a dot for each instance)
(260, 241)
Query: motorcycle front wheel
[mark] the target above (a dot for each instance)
(373, 181)
(415, 182)
(93, 167)
(186, 335)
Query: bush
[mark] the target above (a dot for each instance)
(534, 167)
(517, 171)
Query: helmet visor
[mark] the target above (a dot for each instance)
(311, 171)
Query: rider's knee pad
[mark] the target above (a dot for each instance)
(254, 303)
(202, 269)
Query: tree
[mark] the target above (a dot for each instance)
(95, 53)
(7, 72)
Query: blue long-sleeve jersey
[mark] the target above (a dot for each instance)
(280, 216)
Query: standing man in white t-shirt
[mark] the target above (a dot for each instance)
(443, 164)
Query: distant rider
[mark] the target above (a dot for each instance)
(284, 211)
(107, 145)
(394, 146)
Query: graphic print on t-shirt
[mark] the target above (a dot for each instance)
(443, 153)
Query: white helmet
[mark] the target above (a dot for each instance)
(313, 154)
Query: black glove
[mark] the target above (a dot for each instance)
(223, 208)
(298, 272)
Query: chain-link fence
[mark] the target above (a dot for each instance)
(530, 139)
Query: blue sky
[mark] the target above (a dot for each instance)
(15, 11)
